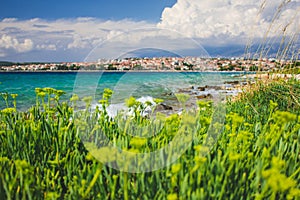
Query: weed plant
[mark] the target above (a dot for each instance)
(43, 153)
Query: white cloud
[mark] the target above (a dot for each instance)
(219, 22)
(62, 34)
(79, 42)
(9, 42)
(51, 47)
(227, 20)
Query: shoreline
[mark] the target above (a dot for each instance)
(271, 76)
(118, 71)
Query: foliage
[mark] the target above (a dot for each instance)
(256, 155)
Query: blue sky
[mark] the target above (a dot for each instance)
(149, 10)
(65, 30)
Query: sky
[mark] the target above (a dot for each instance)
(107, 10)
(65, 30)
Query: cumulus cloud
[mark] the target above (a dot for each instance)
(85, 30)
(61, 35)
(210, 22)
(9, 42)
(227, 20)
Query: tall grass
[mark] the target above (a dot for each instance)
(256, 155)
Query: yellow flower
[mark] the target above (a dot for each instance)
(172, 196)
(59, 92)
(176, 168)
(234, 156)
(131, 102)
(49, 90)
(74, 98)
(158, 101)
(89, 157)
(107, 93)
(138, 142)
(41, 94)
(204, 104)
(284, 117)
(8, 110)
(199, 160)
(38, 90)
(14, 96)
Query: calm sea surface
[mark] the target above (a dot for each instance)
(137, 84)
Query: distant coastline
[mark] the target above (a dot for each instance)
(119, 71)
(164, 64)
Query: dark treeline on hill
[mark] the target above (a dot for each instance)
(7, 63)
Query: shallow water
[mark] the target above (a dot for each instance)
(124, 84)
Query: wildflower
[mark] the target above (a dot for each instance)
(49, 90)
(199, 160)
(172, 196)
(103, 102)
(70, 110)
(58, 93)
(236, 119)
(293, 193)
(204, 104)
(176, 168)
(5, 97)
(4, 159)
(22, 165)
(197, 148)
(74, 98)
(14, 96)
(158, 101)
(277, 163)
(41, 94)
(284, 117)
(138, 142)
(107, 93)
(89, 157)
(277, 181)
(52, 195)
(172, 118)
(38, 90)
(234, 156)
(8, 110)
(244, 135)
(227, 127)
(205, 121)
(131, 102)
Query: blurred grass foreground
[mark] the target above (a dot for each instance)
(256, 155)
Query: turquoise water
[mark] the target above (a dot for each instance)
(138, 84)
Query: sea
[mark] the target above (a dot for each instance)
(124, 84)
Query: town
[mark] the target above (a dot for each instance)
(156, 64)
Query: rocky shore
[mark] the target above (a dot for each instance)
(217, 93)
(220, 93)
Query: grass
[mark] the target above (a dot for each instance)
(43, 152)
